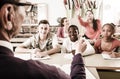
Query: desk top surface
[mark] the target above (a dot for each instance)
(97, 61)
(61, 60)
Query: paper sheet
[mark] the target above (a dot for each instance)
(106, 56)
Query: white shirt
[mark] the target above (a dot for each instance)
(68, 46)
(6, 44)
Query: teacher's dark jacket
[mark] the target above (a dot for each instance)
(14, 68)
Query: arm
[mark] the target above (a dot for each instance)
(83, 23)
(77, 65)
(55, 49)
(39, 70)
(97, 46)
(77, 68)
(24, 47)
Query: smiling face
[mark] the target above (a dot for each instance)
(73, 33)
(44, 30)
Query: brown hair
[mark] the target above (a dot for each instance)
(43, 22)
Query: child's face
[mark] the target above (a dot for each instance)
(89, 16)
(43, 29)
(73, 34)
(107, 31)
(66, 22)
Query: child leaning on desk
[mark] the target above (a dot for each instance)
(69, 43)
(44, 41)
(107, 44)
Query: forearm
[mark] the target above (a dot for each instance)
(77, 68)
(53, 50)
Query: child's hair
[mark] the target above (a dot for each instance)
(112, 26)
(44, 22)
(62, 20)
(73, 26)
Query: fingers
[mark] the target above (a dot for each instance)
(81, 46)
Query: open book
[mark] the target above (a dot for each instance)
(107, 56)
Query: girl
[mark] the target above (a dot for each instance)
(92, 26)
(62, 31)
(107, 44)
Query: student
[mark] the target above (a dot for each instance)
(107, 44)
(62, 31)
(69, 43)
(92, 26)
(12, 14)
(44, 41)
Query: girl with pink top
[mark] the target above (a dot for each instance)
(107, 44)
(92, 26)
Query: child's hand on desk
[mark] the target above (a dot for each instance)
(38, 54)
(114, 55)
(41, 54)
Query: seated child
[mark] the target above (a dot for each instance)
(107, 44)
(44, 42)
(69, 43)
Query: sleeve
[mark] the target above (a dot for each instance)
(28, 43)
(44, 71)
(58, 32)
(55, 41)
(81, 21)
(64, 46)
(89, 50)
(77, 68)
(97, 46)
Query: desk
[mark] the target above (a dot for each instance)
(97, 61)
(18, 40)
(26, 35)
(61, 60)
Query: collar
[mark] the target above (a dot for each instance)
(6, 44)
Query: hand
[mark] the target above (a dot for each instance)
(114, 55)
(77, 11)
(40, 54)
(80, 46)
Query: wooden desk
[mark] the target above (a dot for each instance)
(26, 35)
(97, 61)
(18, 40)
(61, 60)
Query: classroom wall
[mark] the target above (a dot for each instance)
(111, 11)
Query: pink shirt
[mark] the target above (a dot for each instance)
(90, 33)
(60, 32)
(97, 45)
